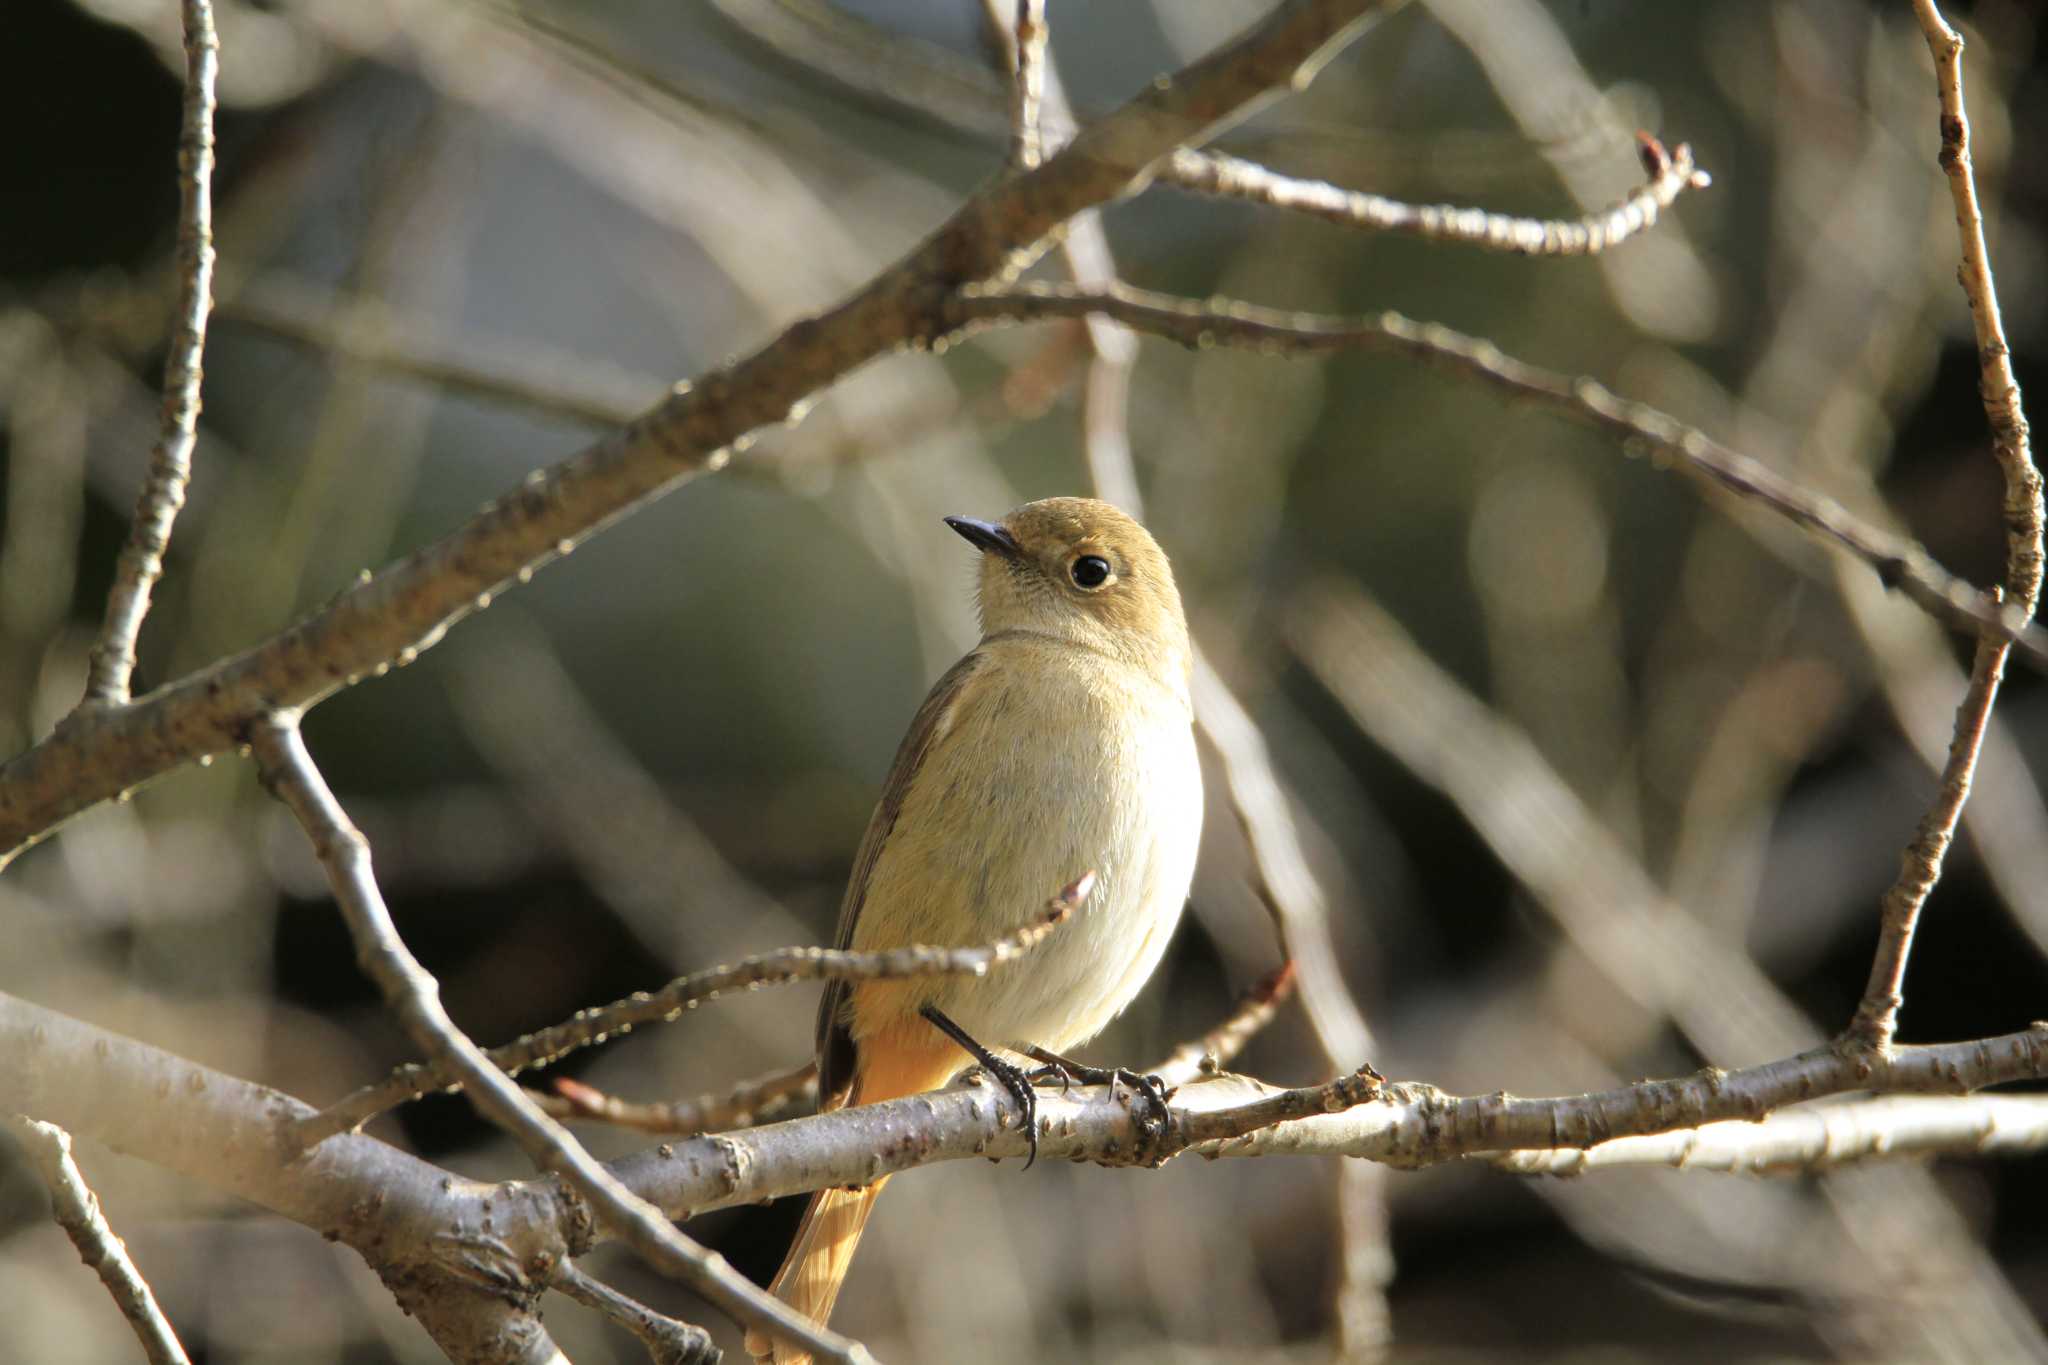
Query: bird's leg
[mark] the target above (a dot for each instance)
(1011, 1076)
(1067, 1070)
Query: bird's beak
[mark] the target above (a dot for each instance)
(989, 537)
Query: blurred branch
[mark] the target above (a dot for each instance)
(1216, 1049)
(876, 63)
(1799, 1141)
(1227, 177)
(668, 1004)
(668, 1341)
(170, 463)
(1876, 1018)
(414, 996)
(743, 1106)
(551, 383)
(1649, 948)
(1027, 84)
(1898, 562)
(392, 615)
(1663, 287)
(77, 1210)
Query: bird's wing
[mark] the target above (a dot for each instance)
(934, 720)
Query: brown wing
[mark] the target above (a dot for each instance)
(933, 720)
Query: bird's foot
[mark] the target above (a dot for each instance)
(1152, 1121)
(1009, 1075)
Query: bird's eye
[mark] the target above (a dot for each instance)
(1090, 571)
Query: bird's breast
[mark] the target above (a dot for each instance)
(1062, 763)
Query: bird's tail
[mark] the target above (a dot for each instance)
(818, 1261)
(906, 1061)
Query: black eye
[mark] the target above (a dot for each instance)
(1090, 571)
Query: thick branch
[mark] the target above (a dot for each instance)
(595, 1025)
(170, 462)
(455, 1252)
(1898, 562)
(1226, 1115)
(1671, 174)
(388, 618)
(77, 1210)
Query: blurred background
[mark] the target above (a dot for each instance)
(1606, 784)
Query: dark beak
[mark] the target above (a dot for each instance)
(989, 537)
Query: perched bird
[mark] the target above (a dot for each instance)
(1062, 744)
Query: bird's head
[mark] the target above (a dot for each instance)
(1081, 571)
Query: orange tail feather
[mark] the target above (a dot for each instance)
(905, 1061)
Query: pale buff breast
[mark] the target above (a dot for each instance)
(1095, 770)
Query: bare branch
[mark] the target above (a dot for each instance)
(1799, 1141)
(1027, 85)
(668, 1341)
(77, 1210)
(1223, 1115)
(1671, 174)
(744, 1105)
(1898, 562)
(1876, 1018)
(595, 1025)
(170, 462)
(456, 1251)
(414, 996)
(1216, 1048)
(389, 617)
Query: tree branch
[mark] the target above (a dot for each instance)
(1898, 562)
(1216, 1049)
(1027, 85)
(170, 462)
(414, 996)
(1822, 1137)
(1877, 1016)
(77, 1211)
(742, 1106)
(386, 619)
(668, 1341)
(595, 1025)
(1671, 174)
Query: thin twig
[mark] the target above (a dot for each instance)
(1027, 85)
(414, 996)
(1877, 1015)
(668, 1341)
(761, 1100)
(590, 1026)
(77, 1211)
(1671, 174)
(1898, 562)
(170, 462)
(1802, 1141)
(1216, 1048)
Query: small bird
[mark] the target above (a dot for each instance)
(1062, 744)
